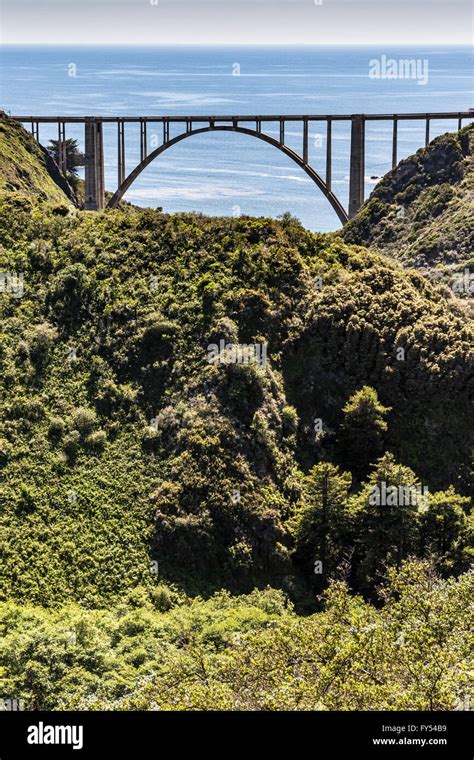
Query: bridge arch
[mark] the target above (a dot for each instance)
(319, 182)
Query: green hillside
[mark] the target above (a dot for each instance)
(147, 480)
(421, 213)
(27, 168)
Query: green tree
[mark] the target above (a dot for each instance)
(363, 427)
(323, 527)
(445, 529)
(74, 157)
(388, 508)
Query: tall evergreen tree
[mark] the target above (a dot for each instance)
(389, 507)
(323, 528)
(74, 157)
(362, 430)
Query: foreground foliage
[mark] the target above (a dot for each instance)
(421, 212)
(249, 653)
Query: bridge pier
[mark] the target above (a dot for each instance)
(94, 174)
(357, 169)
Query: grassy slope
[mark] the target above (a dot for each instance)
(25, 167)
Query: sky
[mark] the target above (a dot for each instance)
(235, 22)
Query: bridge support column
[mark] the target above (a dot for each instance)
(357, 171)
(394, 142)
(95, 191)
(282, 132)
(143, 141)
(328, 153)
(120, 151)
(305, 141)
(62, 155)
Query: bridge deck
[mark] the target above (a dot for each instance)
(248, 117)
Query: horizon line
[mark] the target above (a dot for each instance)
(237, 44)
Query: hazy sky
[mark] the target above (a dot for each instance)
(237, 21)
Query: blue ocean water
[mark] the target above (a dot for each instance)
(226, 173)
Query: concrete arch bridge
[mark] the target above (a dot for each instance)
(253, 126)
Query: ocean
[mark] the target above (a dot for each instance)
(227, 173)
